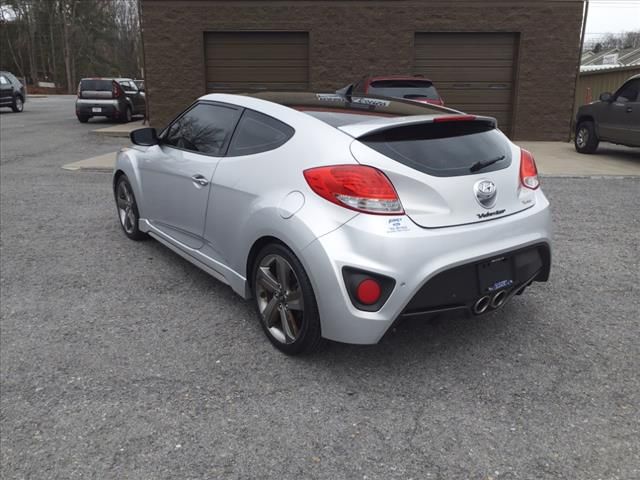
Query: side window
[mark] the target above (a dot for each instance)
(3, 80)
(203, 129)
(127, 87)
(629, 92)
(257, 133)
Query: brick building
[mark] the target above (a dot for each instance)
(515, 60)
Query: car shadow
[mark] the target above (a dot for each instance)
(618, 152)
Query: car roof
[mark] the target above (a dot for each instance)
(369, 103)
(398, 77)
(117, 79)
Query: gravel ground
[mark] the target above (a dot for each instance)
(121, 360)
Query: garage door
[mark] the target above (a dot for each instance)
(474, 72)
(238, 61)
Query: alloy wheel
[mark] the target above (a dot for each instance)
(126, 210)
(582, 137)
(279, 297)
(19, 104)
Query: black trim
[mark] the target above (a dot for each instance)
(459, 288)
(352, 278)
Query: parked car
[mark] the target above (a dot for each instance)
(12, 92)
(115, 98)
(418, 89)
(403, 209)
(614, 118)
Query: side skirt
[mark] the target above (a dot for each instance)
(221, 272)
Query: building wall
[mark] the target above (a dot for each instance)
(350, 38)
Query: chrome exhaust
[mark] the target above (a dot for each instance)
(481, 305)
(498, 299)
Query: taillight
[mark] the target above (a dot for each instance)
(116, 90)
(528, 170)
(357, 187)
(454, 118)
(79, 89)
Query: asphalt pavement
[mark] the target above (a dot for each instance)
(121, 360)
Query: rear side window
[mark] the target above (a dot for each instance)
(409, 89)
(204, 129)
(445, 149)
(96, 85)
(257, 133)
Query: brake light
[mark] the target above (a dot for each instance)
(455, 118)
(528, 170)
(358, 187)
(116, 90)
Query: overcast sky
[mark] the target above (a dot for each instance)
(612, 16)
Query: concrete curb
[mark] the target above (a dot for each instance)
(122, 130)
(101, 163)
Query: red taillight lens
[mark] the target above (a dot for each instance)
(455, 118)
(116, 90)
(357, 187)
(528, 170)
(368, 291)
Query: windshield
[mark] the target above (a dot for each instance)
(409, 89)
(96, 85)
(445, 149)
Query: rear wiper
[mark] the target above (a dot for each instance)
(485, 163)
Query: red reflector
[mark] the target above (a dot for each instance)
(368, 292)
(455, 118)
(528, 170)
(358, 187)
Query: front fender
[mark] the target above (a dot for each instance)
(127, 163)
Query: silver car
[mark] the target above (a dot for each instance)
(338, 215)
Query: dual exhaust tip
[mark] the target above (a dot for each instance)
(490, 301)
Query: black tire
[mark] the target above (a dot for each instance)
(127, 209)
(586, 140)
(128, 115)
(18, 104)
(309, 336)
(83, 118)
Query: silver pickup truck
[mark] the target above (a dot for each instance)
(614, 118)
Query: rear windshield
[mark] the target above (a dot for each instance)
(445, 149)
(409, 89)
(96, 85)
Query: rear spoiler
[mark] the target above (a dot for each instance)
(357, 130)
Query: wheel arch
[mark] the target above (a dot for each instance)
(258, 245)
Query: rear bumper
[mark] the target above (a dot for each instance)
(433, 269)
(460, 288)
(99, 108)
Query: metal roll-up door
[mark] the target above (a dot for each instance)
(237, 61)
(473, 72)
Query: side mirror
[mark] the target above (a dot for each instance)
(345, 89)
(606, 97)
(145, 137)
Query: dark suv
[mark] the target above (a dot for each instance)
(418, 89)
(115, 98)
(614, 118)
(12, 93)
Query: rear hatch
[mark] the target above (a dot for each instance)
(442, 167)
(96, 88)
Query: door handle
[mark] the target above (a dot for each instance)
(200, 180)
(629, 109)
